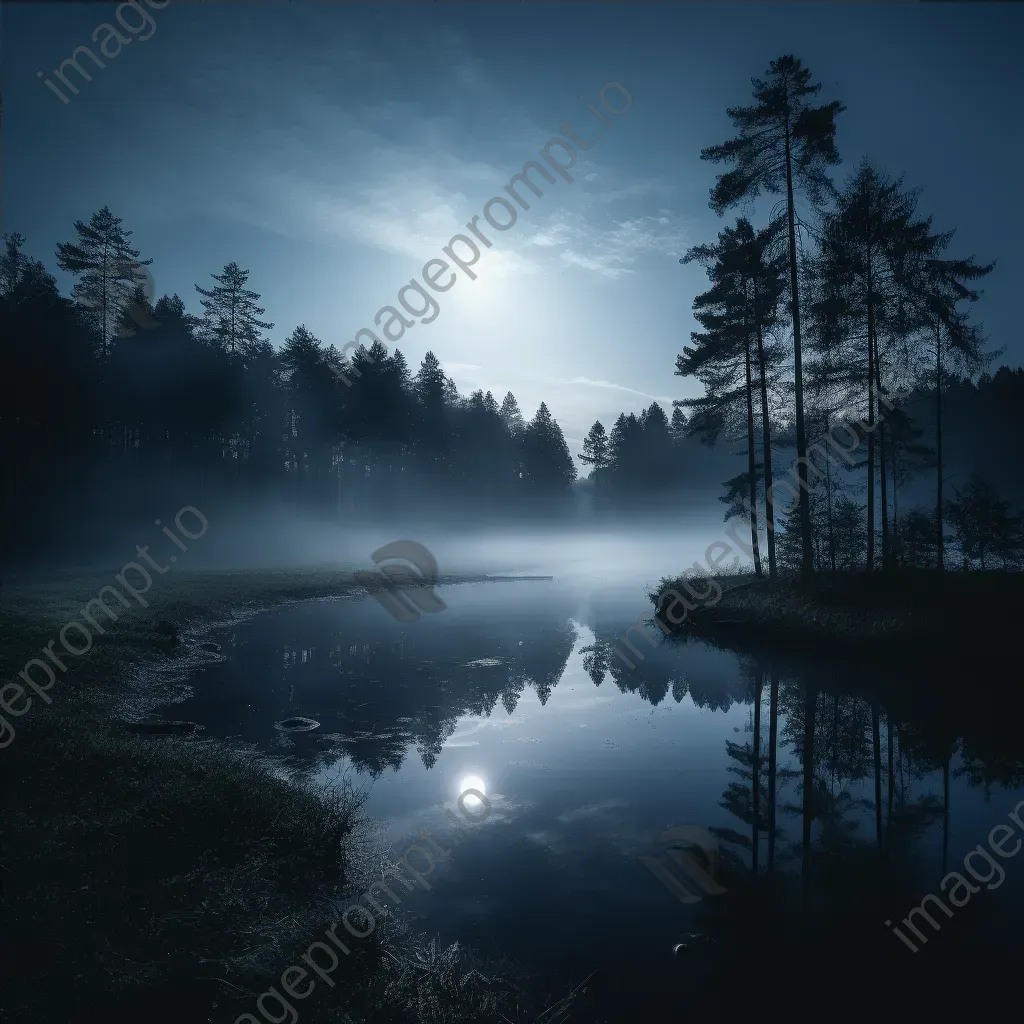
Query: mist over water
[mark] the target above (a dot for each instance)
(633, 552)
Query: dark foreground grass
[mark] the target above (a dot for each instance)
(910, 613)
(176, 877)
(158, 873)
(146, 875)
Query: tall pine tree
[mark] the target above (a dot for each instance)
(595, 451)
(784, 144)
(109, 271)
(546, 458)
(231, 316)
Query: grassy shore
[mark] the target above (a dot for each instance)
(171, 876)
(914, 614)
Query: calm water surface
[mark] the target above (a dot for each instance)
(587, 762)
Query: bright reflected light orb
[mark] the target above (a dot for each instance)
(471, 782)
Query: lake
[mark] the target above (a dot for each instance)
(515, 688)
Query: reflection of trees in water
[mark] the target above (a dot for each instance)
(651, 679)
(510, 694)
(1004, 770)
(595, 660)
(390, 693)
(395, 694)
(679, 688)
(544, 659)
(378, 752)
(752, 796)
(716, 694)
(870, 786)
(658, 672)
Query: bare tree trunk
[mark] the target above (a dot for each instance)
(886, 552)
(938, 441)
(892, 777)
(897, 554)
(945, 817)
(756, 765)
(877, 747)
(766, 442)
(773, 735)
(871, 423)
(903, 781)
(752, 464)
(810, 708)
(807, 559)
(831, 525)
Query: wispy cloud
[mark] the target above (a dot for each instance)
(467, 376)
(403, 176)
(400, 173)
(641, 189)
(607, 245)
(587, 382)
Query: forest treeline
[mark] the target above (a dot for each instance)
(840, 294)
(111, 397)
(837, 294)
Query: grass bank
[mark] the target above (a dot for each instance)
(175, 876)
(915, 614)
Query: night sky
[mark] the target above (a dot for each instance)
(333, 149)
